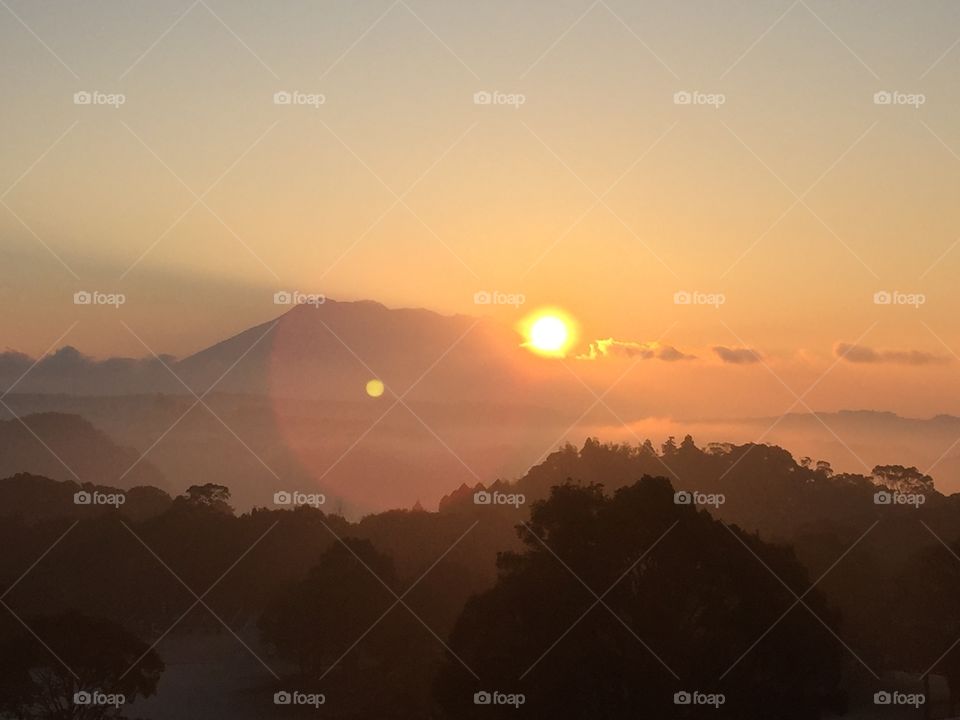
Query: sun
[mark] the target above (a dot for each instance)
(548, 332)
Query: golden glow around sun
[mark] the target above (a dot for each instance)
(548, 332)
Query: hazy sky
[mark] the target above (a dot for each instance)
(798, 198)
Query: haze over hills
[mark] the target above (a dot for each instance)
(288, 409)
(851, 440)
(68, 447)
(320, 351)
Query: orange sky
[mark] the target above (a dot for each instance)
(797, 199)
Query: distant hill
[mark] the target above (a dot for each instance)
(848, 437)
(68, 447)
(763, 487)
(33, 498)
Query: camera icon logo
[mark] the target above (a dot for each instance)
(282, 297)
(682, 97)
(82, 98)
(882, 698)
(282, 698)
(482, 497)
(82, 498)
(282, 97)
(282, 498)
(682, 698)
(482, 297)
(882, 97)
(482, 698)
(882, 297)
(482, 97)
(82, 297)
(682, 297)
(882, 498)
(82, 698)
(682, 497)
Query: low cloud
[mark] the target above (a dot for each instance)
(628, 349)
(863, 354)
(69, 371)
(737, 356)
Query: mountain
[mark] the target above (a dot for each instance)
(290, 408)
(330, 351)
(327, 351)
(68, 447)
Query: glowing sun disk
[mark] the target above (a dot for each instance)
(548, 332)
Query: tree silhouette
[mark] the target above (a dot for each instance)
(676, 617)
(903, 479)
(316, 623)
(52, 671)
(209, 496)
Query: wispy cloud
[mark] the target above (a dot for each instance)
(737, 356)
(607, 348)
(863, 354)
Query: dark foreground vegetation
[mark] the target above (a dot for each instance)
(770, 588)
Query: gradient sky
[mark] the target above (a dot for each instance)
(798, 198)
